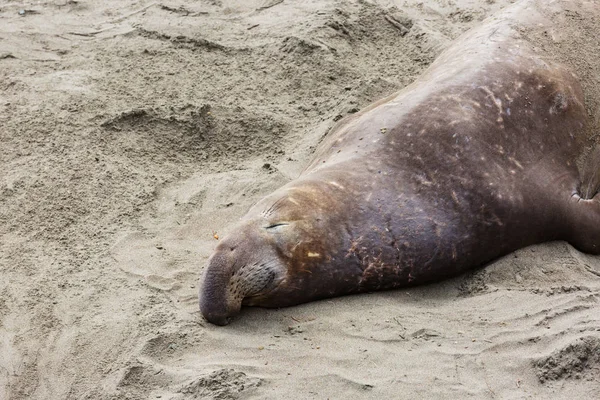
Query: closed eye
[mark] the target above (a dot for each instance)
(275, 226)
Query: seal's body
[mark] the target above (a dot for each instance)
(474, 160)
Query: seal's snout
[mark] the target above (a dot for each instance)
(218, 319)
(216, 303)
(243, 269)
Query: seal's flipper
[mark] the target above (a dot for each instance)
(590, 175)
(585, 223)
(584, 207)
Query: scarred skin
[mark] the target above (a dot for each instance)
(474, 160)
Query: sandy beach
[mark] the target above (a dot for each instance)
(134, 134)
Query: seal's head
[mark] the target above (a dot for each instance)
(279, 255)
(244, 268)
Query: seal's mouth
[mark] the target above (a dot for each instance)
(228, 284)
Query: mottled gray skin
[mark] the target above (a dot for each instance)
(474, 160)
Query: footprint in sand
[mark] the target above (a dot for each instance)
(137, 254)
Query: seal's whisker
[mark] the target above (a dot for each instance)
(276, 204)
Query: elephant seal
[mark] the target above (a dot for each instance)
(474, 160)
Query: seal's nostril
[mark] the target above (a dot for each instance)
(221, 321)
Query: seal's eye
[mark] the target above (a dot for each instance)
(276, 227)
